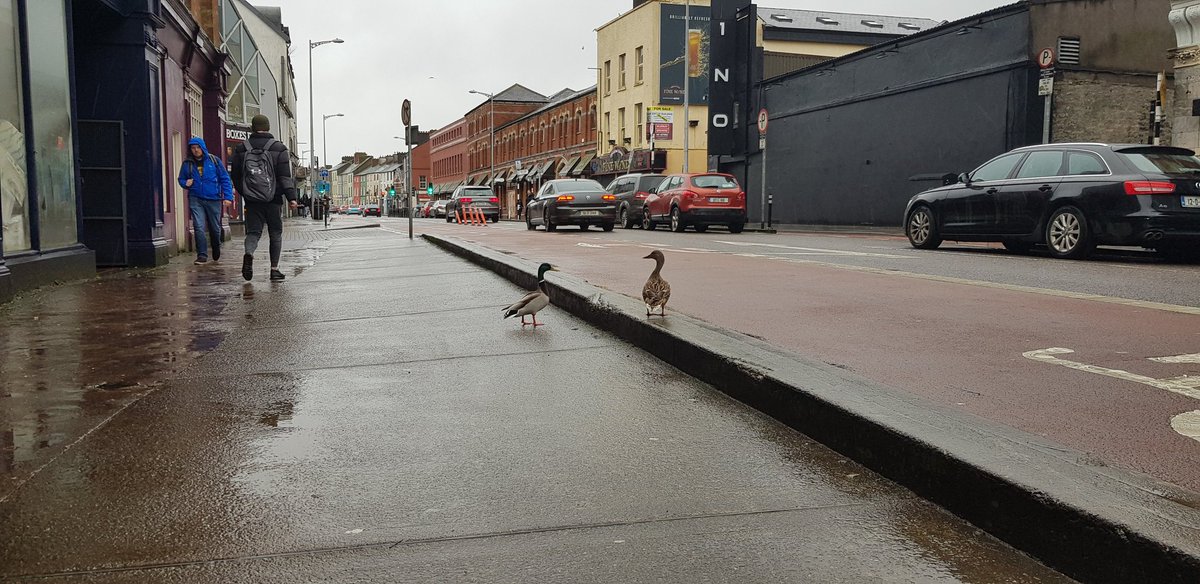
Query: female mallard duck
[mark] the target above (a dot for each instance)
(657, 291)
(534, 301)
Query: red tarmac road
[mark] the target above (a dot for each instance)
(958, 343)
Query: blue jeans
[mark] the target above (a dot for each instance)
(206, 221)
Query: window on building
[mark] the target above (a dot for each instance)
(608, 128)
(14, 193)
(621, 72)
(607, 77)
(640, 58)
(195, 100)
(639, 119)
(424, 183)
(52, 138)
(621, 127)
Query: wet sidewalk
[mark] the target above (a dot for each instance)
(373, 420)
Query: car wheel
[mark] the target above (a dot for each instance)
(677, 224)
(550, 226)
(647, 223)
(496, 219)
(583, 227)
(736, 227)
(624, 219)
(608, 226)
(449, 217)
(1067, 234)
(921, 229)
(700, 228)
(529, 223)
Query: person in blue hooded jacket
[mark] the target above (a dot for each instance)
(209, 190)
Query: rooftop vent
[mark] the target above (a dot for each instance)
(909, 26)
(872, 23)
(827, 20)
(781, 17)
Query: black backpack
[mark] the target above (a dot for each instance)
(258, 173)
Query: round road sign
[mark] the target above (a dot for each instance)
(762, 121)
(1046, 58)
(406, 113)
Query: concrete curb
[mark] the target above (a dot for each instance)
(1089, 521)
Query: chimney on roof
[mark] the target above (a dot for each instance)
(359, 157)
(637, 3)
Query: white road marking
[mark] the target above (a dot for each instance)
(1193, 358)
(1050, 356)
(1188, 424)
(1185, 380)
(837, 252)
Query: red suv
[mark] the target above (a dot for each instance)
(698, 200)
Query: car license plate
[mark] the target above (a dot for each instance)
(718, 199)
(1191, 201)
(589, 213)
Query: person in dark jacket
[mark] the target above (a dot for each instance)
(209, 188)
(270, 213)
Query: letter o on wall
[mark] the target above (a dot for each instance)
(720, 121)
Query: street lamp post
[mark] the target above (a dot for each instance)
(491, 137)
(325, 158)
(312, 130)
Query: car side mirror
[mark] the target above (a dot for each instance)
(964, 178)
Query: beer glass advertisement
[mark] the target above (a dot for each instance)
(679, 38)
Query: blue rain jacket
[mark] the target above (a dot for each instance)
(213, 183)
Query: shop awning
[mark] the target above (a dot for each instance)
(569, 166)
(583, 164)
(519, 174)
(547, 167)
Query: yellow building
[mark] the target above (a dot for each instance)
(640, 65)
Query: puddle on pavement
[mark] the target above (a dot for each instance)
(71, 355)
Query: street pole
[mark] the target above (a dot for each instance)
(312, 129)
(408, 178)
(687, 82)
(492, 144)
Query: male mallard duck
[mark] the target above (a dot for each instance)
(534, 301)
(657, 291)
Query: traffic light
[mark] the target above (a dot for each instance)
(429, 190)
(391, 191)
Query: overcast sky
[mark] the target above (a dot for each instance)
(434, 52)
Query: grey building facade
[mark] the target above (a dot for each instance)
(847, 136)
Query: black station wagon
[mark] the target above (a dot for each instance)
(1070, 198)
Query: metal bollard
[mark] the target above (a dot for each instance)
(770, 209)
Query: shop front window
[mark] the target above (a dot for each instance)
(50, 89)
(14, 184)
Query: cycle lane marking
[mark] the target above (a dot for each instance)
(1186, 424)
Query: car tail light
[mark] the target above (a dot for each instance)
(641, 196)
(566, 198)
(1148, 187)
(494, 200)
(690, 194)
(608, 198)
(464, 200)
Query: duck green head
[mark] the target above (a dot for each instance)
(543, 269)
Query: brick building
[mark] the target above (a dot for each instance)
(505, 107)
(448, 157)
(555, 141)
